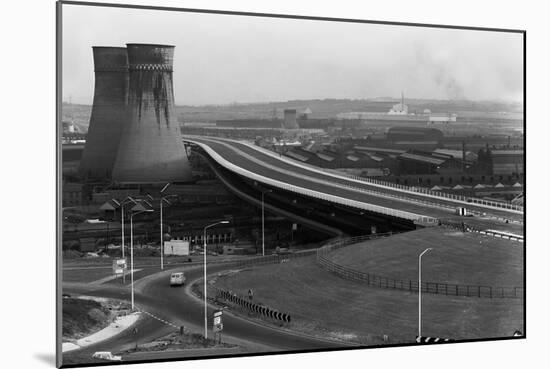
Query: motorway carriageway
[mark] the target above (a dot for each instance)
(154, 295)
(283, 171)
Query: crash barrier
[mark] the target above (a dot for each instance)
(469, 228)
(248, 305)
(423, 339)
(437, 288)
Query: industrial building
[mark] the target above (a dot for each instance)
(507, 162)
(406, 135)
(290, 121)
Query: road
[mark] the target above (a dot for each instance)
(175, 305)
(284, 171)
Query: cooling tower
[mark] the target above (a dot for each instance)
(151, 148)
(108, 112)
(290, 119)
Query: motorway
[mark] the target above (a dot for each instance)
(177, 306)
(275, 169)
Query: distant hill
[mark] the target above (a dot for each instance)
(329, 108)
(321, 108)
(77, 114)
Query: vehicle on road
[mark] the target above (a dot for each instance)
(177, 279)
(106, 355)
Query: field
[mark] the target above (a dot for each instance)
(325, 305)
(459, 258)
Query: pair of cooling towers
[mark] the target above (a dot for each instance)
(134, 135)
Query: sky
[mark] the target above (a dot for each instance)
(224, 59)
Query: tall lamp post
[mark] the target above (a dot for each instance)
(163, 199)
(263, 228)
(122, 203)
(132, 213)
(205, 311)
(420, 291)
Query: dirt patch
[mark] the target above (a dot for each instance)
(84, 316)
(177, 341)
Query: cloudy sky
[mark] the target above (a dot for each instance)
(221, 59)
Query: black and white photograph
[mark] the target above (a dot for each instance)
(274, 184)
(236, 184)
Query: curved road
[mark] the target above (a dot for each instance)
(278, 169)
(175, 305)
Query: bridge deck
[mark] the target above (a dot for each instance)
(271, 167)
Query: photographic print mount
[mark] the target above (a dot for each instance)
(334, 218)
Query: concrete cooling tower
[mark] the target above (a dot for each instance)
(151, 148)
(290, 119)
(108, 112)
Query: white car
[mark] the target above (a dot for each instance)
(177, 279)
(106, 355)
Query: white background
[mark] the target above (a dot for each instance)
(27, 240)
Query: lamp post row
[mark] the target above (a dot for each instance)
(163, 199)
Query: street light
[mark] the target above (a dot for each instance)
(420, 291)
(132, 213)
(263, 229)
(122, 203)
(163, 199)
(205, 311)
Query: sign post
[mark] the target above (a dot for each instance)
(119, 267)
(218, 325)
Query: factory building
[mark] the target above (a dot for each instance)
(507, 161)
(290, 121)
(151, 149)
(249, 123)
(108, 112)
(412, 134)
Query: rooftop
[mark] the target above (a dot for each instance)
(426, 159)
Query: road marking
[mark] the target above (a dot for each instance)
(157, 318)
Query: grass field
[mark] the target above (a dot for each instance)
(323, 304)
(86, 275)
(459, 258)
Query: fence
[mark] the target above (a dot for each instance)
(407, 285)
(469, 228)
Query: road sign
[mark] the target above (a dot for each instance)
(119, 265)
(218, 324)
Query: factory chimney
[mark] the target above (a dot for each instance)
(108, 112)
(151, 148)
